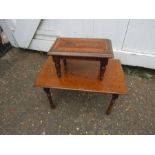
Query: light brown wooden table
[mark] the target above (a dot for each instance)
(78, 77)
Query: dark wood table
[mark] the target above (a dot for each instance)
(79, 78)
(81, 48)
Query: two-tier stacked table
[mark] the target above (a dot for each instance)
(79, 78)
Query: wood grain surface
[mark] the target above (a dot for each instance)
(82, 47)
(81, 75)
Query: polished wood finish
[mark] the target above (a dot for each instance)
(81, 76)
(82, 48)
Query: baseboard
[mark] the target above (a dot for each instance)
(135, 59)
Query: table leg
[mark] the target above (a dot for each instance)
(56, 60)
(65, 62)
(103, 64)
(47, 91)
(114, 97)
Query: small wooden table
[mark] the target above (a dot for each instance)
(80, 48)
(78, 77)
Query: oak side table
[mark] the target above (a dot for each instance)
(81, 48)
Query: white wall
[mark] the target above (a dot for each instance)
(140, 37)
(133, 40)
(112, 29)
(20, 32)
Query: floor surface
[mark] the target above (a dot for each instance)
(26, 110)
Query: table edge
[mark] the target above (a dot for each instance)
(80, 54)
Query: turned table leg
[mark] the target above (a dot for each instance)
(114, 97)
(65, 62)
(56, 60)
(47, 91)
(103, 64)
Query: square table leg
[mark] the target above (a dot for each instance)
(103, 63)
(56, 60)
(112, 102)
(47, 91)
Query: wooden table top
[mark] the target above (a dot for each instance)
(82, 75)
(82, 47)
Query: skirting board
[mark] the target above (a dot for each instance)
(127, 58)
(41, 45)
(135, 59)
